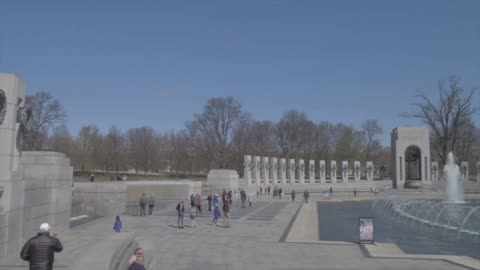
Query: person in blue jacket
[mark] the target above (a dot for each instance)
(118, 224)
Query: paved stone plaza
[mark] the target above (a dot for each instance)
(253, 242)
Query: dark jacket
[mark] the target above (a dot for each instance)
(180, 209)
(136, 266)
(39, 251)
(226, 208)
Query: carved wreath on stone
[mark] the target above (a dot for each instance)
(251, 165)
(369, 170)
(260, 165)
(322, 168)
(3, 106)
(268, 166)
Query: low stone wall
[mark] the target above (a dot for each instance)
(99, 199)
(42, 193)
(220, 179)
(163, 190)
(118, 198)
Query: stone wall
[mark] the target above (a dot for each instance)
(112, 198)
(220, 179)
(163, 190)
(42, 193)
(99, 199)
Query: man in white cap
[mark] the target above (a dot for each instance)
(39, 250)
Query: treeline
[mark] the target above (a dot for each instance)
(222, 133)
(218, 137)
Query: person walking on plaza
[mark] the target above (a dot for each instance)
(215, 200)
(354, 192)
(293, 196)
(151, 204)
(280, 193)
(226, 215)
(261, 191)
(230, 196)
(216, 215)
(117, 226)
(306, 195)
(39, 250)
(209, 199)
(193, 216)
(196, 199)
(137, 261)
(250, 199)
(224, 196)
(180, 214)
(200, 201)
(143, 203)
(243, 197)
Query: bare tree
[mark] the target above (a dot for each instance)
(293, 131)
(216, 124)
(324, 141)
(445, 117)
(348, 143)
(142, 148)
(61, 140)
(371, 144)
(115, 149)
(86, 142)
(46, 112)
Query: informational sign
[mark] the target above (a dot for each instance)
(366, 229)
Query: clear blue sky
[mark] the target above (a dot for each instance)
(134, 63)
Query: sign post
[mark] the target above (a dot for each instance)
(366, 230)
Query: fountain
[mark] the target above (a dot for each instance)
(453, 216)
(453, 178)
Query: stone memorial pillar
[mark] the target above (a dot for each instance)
(266, 170)
(311, 171)
(322, 171)
(274, 170)
(247, 170)
(283, 171)
(464, 170)
(301, 171)
(256, 170)
(369, 171)
(356, 171)
(435, 171)
(291, 171)
(12, 99)
(333, 171)
(478, 172)
(345, 171)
